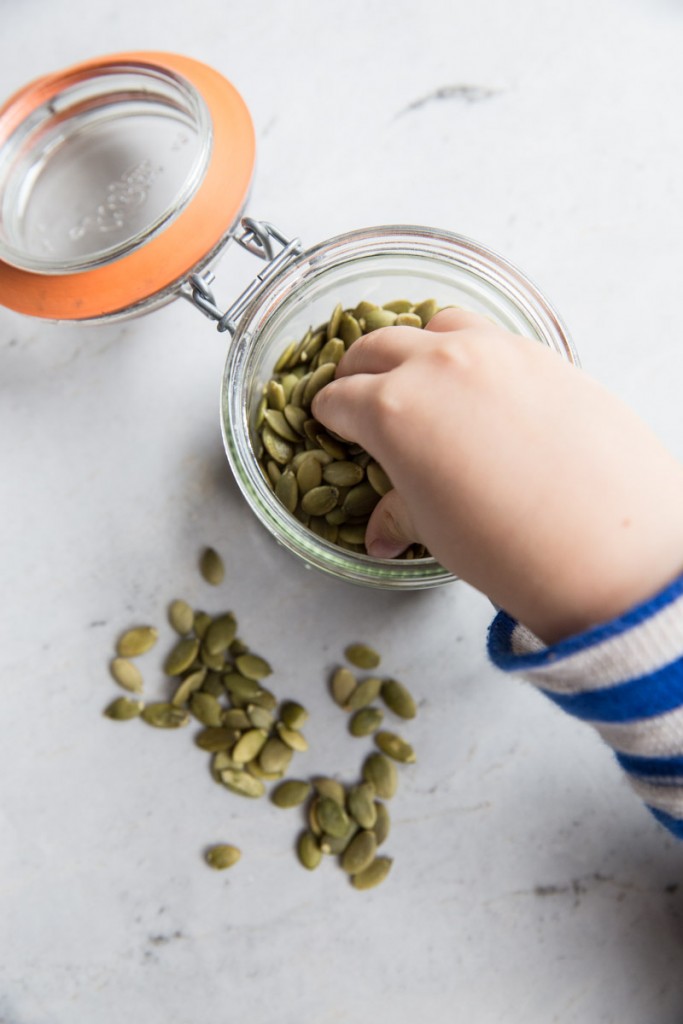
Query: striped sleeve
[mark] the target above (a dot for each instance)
(625, 678)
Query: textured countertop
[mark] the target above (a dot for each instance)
(529, 885)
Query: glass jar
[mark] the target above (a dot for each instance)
(120, 181)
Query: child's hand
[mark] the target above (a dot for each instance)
(518, 472)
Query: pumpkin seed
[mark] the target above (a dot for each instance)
(331, 352)
(181, 657)
(136, 641)
(275, 395)
(127, 674)
(373, 874)
(293, 715)
(331, 816)
(278, 449)
(202, 621)
(398, 306)
(408, 320)
(287, 490)
(260, 718)
(277, 421)
(291, 793)
(181, 616)
(395, 747)
(124, 708)
(211, 567)
(292, 737)
(382, 822)
(188, 686)
(377, 318)
(364, 694)
(163, 715)
(318, 379)
(426, 310)
(343, 474)
(365, 721)
(216, 739)
(308, 851)
(252, 666)
(361, 500)
(275, 755)
(319, 500)
(398, 699)
(378, 479)
(343, 684)
(381, 772)
(213, 685)
(362, 656)
(206, 709)
(249, 745)
(361, 804)
(360, 853)
(309, 474)
(331, 788)
(220, 633)
(337, 844)
(222, 856)
(241, 782)
(239, 687)
(236, 718)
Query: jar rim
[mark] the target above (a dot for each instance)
(153, 265)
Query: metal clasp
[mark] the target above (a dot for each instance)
(258, 237)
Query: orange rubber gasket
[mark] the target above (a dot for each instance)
(182, 244)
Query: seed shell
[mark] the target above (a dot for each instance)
(222, 856)
(136, 641)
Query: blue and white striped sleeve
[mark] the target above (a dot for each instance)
(625, 678)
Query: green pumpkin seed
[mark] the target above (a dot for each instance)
(296, 417)
(336, 845)
(292, 737)
(275, 755)
(377, 318)
(188, 686)
(127, 674)
(293, 715)
(265, 699)
(163, 715)
(213, 685)
(214, 662)
(382, 822)
(365, 693)
(373, 874)
(331, 352)
(395, 747)
(277, 421)
(398, 306)
(360, 853)
(220, 633)
(239, 687)
(331, 816)
(222, 856)
(181, 616)
(361, 500)
(349, 329)
(287, 490)
(241, 782)
(136, 641)
(236, 718)
(330, 445)
(253, 667)
(285, 357)
(275, 395)
(211, 567)
(255, 769)
(123, 709)
(398, 699)
(182, 656)
(351, 534)
(319, 500)
(308, 851)
(319, 378)
(249, 745)
(378, 479)
(323, 529)
(331, 788)
(280, 451)
(408, 320)
(361, 804)
(216, 739)
(365, 721)
(343, 684)
(206, 709)
(309, 474)
(334, 321)
(260, 718)
(426, 310)
(291, 793)
(343, 474)
(220, 761)
(202, 621)
(362, 656)
(382, 774)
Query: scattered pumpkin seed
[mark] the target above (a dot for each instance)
(181, 656)
(253, 667)
(206, 709)
(188, 686)
(211, 567)
(343, 684)
(293, 715)
(375, 873)
(249, 746)
(275, 755)
(398, 699)
(136, 641)
(395, 747)
(332, 788)
(364, 694)
(381, 772)
(241, 782)
(361, 804)
(164, 715)
(292, 737)
(331, 816)
(181, 616)
(382, 822)
(220, 634)
(308, 851)
(127, 674)
(360, 853)
(222, 856)
(365, 721)
(216, 739)
(123, 709)
(291, 793)
(362, 656)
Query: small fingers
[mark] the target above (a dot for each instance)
(380, 351)
(390, 529)
(341, 404)
(455, 319)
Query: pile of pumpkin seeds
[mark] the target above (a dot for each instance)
(329, 484)
(251, 737)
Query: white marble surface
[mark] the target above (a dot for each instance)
(529, 885)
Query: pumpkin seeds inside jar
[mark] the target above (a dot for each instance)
(342, 491)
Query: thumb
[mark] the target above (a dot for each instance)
(390, 529)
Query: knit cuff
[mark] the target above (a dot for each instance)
(625, 678)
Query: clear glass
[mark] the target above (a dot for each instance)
(377, 264)
(100, 168)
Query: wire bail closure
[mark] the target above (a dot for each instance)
(259, 238)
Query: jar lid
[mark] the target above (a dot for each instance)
(119, 177)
